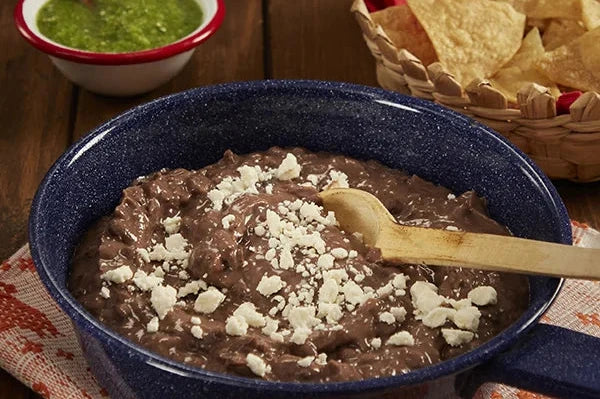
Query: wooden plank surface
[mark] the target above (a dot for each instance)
(35, 115)
(582, 201)
(10, 388)
(35, 107)
(317, 39)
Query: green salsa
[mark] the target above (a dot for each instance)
(118, 26)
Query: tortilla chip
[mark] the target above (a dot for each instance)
(568, 9)
(521, 6)
(521, 69)
(590, 14)
(587, 11)
(561, 31)
(472, 38)
(541, 24)
(405, 31)
(576, 64)
(530, 50)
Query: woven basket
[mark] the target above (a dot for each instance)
(564, 146)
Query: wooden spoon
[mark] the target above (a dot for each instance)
(359, 211)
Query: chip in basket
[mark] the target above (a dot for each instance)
(590, 13)
(587, 11)
(521, 69)
(561, 31)
(570, 9)
(472, 38)
(576, 64)
(405, 31)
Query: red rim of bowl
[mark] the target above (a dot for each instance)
(136, 57)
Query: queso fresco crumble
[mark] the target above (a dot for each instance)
(237, 268)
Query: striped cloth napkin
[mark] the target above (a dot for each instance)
(38, 345)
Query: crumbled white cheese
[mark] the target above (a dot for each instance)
(226, 221)
(286, 261)
(289, 168)
(171, 224)
(451, 196)
(401, 338)
(300, 335)
(313, 179)
(484, 295)
(259, 230)
(456, 337)
(325, 261)
(152, 325)
(437, 317)
(399, 281)
(339, 275)
(353, 293)
(216, 196)
(321, 359)
(247, 311)
(467, 318)
(183, 275)
(163, 298)
(209, 301)
(273, 223)
(257, 365)
(385, 290)
(175, 244)
(277, 337)
(399, 313)
(462, 303)
(270, 254)
(236, 326)
(195, 320)
(331, 311)
(376, 343)
(271, 326)
(306, 361)
(118, 275)
(197, 331)
(231, 188)
(387, 317)
(146, 282)
(143, 253)
(424, 297)
(337, 179)
(328, 291)
(452, 228)
(191, 287)
(174, 248)
(269, 285)
(303, 316)
(104, 292)
(339, 253)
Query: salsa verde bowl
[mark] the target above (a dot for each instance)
(193, 128)
(119, 74)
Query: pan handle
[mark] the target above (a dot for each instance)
(550, 360)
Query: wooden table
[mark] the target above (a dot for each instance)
(41, 113)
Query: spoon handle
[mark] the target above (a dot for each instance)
(487, 251)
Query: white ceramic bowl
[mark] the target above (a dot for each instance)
(119, 74)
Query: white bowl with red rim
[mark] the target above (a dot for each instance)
(119, 74)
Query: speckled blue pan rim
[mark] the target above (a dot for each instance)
(481, 354)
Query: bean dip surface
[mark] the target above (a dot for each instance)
(236, 268)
